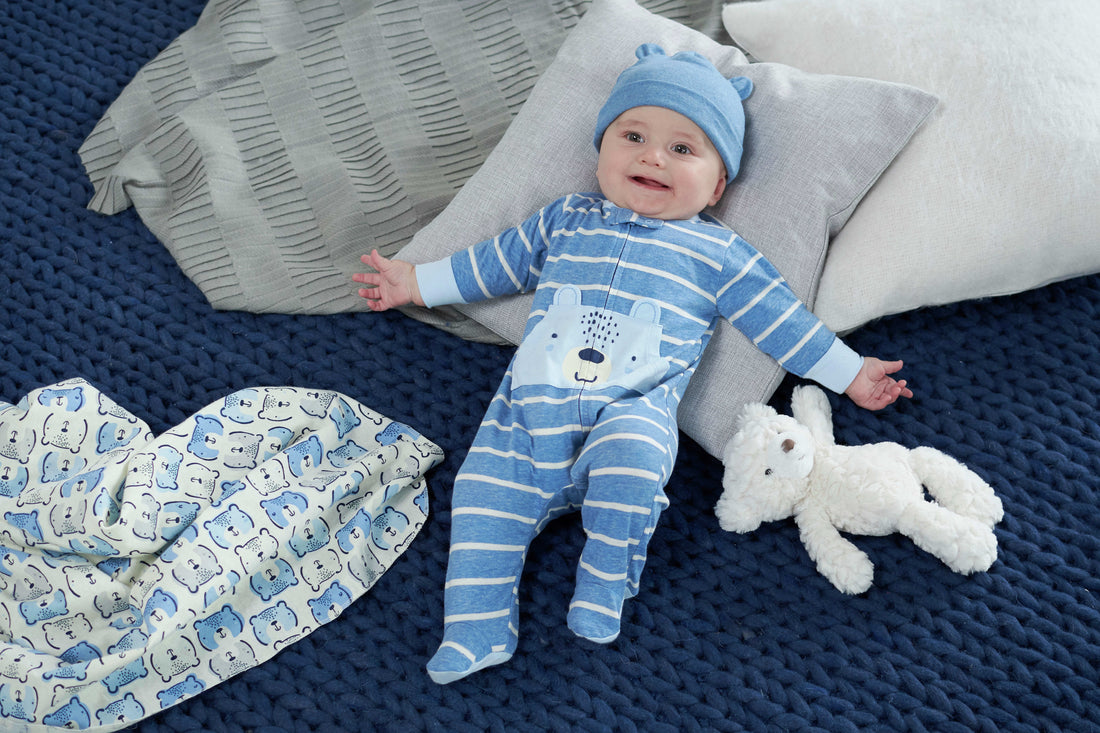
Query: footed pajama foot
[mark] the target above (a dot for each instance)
(594, 613)
(465, 650)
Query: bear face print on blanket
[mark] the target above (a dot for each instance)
(137, 571)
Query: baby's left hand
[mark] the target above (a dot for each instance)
(874, 388)
(391, 285)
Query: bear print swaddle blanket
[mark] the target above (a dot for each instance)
(137, 571)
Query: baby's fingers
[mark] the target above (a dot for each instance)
(377, 261)
(369, 278)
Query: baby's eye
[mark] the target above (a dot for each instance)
(681, 149)
(634, 137)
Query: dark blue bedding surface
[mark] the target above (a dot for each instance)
(730, 632)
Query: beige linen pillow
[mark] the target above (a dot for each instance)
(814, 145)
(998, 192)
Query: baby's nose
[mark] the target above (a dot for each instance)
(653, 156)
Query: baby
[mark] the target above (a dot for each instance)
(630, 284)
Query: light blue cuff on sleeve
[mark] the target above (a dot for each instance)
(437, 283)
(837, 368)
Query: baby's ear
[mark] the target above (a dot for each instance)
(743, 85)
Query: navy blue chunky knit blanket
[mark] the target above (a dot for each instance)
(730, 632)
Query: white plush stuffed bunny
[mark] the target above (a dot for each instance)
(778, 466)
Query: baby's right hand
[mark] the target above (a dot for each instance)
(392, 284)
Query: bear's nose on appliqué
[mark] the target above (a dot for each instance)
(591, 355)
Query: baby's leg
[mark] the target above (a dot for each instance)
(627, 461)
(488, 546)
(497, 509)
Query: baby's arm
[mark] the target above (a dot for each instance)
(502, 265)
(759, 305)
(392, 285)
(874, 388)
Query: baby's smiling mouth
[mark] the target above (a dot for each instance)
(648, 182)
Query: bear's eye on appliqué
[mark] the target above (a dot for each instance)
(767, 472)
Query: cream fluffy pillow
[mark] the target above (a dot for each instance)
(814, 145)
(998, 192)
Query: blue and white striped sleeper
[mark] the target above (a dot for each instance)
(585, 416)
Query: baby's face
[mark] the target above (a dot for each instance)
(660, 164)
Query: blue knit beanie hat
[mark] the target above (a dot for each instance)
(689, 84)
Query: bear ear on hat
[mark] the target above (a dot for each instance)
(742, 85)
(649, 49)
